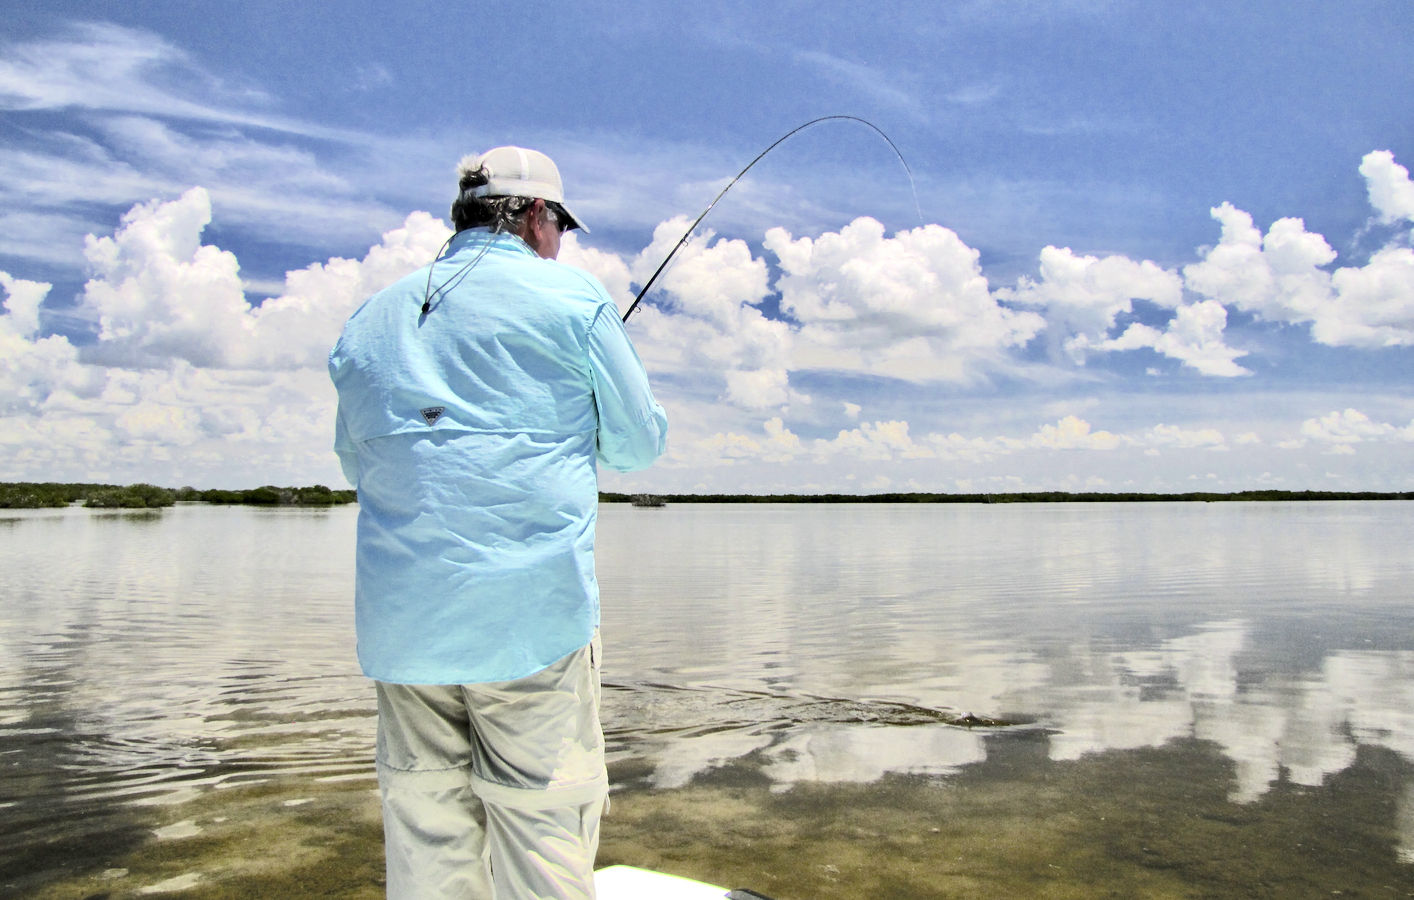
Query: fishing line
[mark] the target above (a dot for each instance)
(682, 242)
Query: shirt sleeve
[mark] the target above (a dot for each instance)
(344, 447)
(633, 429)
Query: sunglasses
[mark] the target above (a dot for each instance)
(562, 219)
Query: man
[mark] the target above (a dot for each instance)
(474, 398)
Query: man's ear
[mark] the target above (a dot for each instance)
(532, 215)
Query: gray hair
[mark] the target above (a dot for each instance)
(471, 211)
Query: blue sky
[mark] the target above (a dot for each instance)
(1112, 290)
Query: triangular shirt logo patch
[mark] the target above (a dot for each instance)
(433, 413)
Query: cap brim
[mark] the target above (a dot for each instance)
(578, 222)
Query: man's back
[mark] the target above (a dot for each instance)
(472, 432)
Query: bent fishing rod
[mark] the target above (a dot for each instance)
(687, 235)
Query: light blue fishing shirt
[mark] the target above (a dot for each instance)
(472, 433)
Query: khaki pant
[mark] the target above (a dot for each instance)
(494, 791)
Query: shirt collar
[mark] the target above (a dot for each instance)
(500, 240)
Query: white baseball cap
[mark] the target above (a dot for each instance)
(518, 172)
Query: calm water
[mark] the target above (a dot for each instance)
(1219, 674)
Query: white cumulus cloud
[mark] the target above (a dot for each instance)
(1277, 276)
(915, 306)
(161, 295)
(1073, 433)
(1374, 304)
(608, 267)
(22, 304)
(1183, 439)
(32, 368)
(1280, 277)
(1194, 336)
(706, 326)
(186, 380)
(1340, 430)
(1391, 192)
(1082, 295)
(779, 444)
(891, 440)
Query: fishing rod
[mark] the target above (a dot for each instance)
(682, 242)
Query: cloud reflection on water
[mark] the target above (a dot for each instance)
(205, 647)
(865, 753)
(1299, 730)
(1116, 628)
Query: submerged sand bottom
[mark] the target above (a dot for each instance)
(1153, 823)
(285, 838)
(1145, 823)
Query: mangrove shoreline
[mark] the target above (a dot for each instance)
(1026, 497)
(38, 495)
(42, 495)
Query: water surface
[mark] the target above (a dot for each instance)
(1208, 700)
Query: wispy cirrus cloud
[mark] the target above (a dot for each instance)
(873, 83)
(107, 68)
(141, 119)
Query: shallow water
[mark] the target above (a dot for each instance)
(1207, 700)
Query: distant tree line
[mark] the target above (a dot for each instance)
(269, 495)
(30, 495)
(1033, 497)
